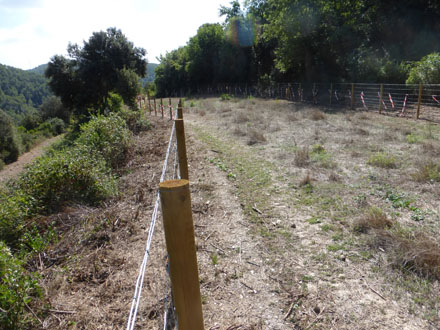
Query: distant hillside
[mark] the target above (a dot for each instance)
(21, 91)
(39, 69)
(150, 73)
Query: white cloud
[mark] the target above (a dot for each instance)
(47, 26)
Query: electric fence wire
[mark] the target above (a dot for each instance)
(140, 279)
(169, 315)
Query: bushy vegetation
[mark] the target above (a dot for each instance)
(75, 172)
(266, 41)
(9, 142)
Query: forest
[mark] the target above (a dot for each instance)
(267, 41)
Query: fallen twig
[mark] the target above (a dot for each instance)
(61, 312)
(249, 287)
(256, 210)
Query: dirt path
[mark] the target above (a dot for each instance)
(14, 169)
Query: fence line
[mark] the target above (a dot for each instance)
(141, 274)
(421, 101)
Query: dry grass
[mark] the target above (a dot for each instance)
(429, 171)
(255, 137)
(302, 157)
(306, 181)
(238, 131)
(317, 115)
(374, 218)
(241, 118)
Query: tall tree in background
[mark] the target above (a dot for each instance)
(106, 63)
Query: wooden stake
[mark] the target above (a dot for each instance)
(180, 110)
(181, 149)
(179, 235)
(149, 105)
(155, 107)
(331, 93)
(161, 107)
(352, 96)
(380, 98)
(419, 101)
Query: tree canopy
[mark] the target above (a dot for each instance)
(305, 40)
(107, 63)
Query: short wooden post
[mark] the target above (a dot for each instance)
(171, 109)
(155, 107)
(380, 98)
(352, 96)
(161, 107)
(180, 110)
(331, 93)
(149, 105)
(181, 149)
(179, 235)
(419, 101)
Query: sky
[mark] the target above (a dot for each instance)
(32, 31)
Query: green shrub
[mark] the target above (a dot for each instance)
(225, 97)
(108, 136)
(55, 126)
(135, 120)
(74, 174)
(2, 164)
(9, 142)
(426, 71)
(383, 160)
(17, 289)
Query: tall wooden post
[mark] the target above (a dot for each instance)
(181, 149)
(352, 96)
(180, 110)
(179, 235)
(161, 107)
(419, 101)
(155, 107)
(171, 109)
(149, 105)
(380, 98)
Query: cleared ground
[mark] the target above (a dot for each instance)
(304, 219)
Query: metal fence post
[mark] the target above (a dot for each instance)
(352, 96)
(380, 98)
(419, 101)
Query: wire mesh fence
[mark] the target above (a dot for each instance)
(410, 101)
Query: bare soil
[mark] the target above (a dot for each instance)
(12, 170)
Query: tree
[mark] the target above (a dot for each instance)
(106, 63)
(426, 71)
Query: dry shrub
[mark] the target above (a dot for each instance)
(307, 180)
(361, 131)
(202, 113)
(411, 251)
(238, 131)
(255, 137)
(430, 149)
(363, 116)
(225, 109)
(375, 218)
(292, 117)
(317, 115)
(418, 253)
(334, 177)
(302, 157)
(427, 171)
(241, 118)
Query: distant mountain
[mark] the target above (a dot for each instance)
(21, 92)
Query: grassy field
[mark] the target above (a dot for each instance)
(346, 204)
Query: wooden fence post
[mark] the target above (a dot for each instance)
(179, 235)
(419, 101)
(181, 149)
(161, 107)
(380, 98)
(331, 93)
(180, 110)
(149, 105)
(352, 96)
(171, 109)
(155, 107)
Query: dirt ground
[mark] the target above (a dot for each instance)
(12, 170)
(274, 232)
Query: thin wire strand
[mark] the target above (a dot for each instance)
(140, 280)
